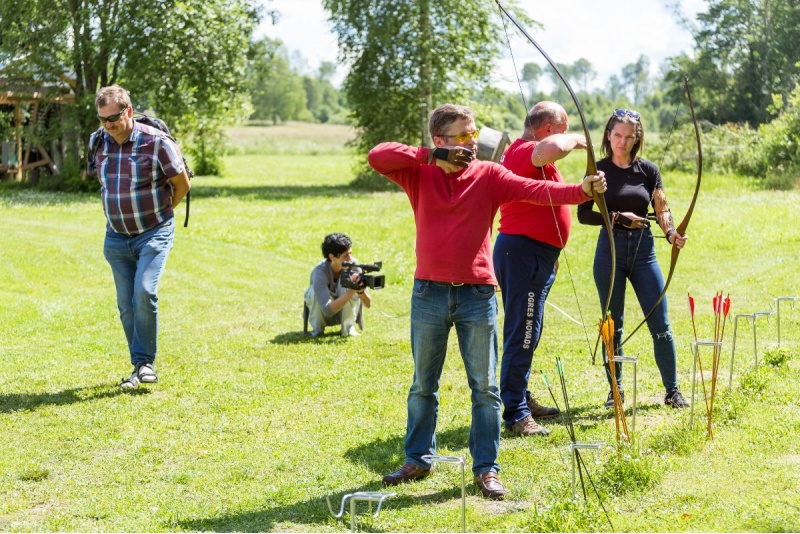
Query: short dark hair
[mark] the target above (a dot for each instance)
(445, 115)
(112, 94)
(335, 244)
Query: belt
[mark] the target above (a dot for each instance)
(449, 284)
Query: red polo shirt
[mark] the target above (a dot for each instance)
(454, 212)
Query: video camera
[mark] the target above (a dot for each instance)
(364, 280)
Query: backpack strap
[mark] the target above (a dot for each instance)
(158, 124)
(96, 141)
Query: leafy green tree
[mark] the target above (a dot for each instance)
(531, 73)
(560, 92)
(323, 99)
(407, 56)
(775, 157)
(184, 60)
(745, 51)
(277, 92)
(584, 73)
(615, 89)
(636, 77)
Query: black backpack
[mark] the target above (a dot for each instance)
(158, 124)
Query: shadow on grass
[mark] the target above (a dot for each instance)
(313, 512)
(35, 197)
(278, 192)
(601, 413)
(17, 402)
(385, 455)
(15, 194)
(292, 338)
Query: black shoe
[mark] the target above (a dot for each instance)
(537, 410)
(676, 400)
(610, 399)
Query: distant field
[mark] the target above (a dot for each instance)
(259, 137)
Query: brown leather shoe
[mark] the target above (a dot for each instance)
(490, 486)
(538, 411)
(528, 427)
(408, 473)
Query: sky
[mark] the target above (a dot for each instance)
(608, 34)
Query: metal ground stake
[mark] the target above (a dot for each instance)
(778, 308)
(453, 460)
(369, 496)
(572, 449)
(629, 359)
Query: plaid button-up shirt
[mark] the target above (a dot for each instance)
(134, 177)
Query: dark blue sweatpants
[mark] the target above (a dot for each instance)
(525, 270)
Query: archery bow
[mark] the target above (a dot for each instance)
(591, 164)
(681, 230)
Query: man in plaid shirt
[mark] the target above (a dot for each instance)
(142, 178)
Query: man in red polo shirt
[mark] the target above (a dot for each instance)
(455, 198)
(529, 241)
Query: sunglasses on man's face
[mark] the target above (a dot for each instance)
(464, 137)
(627, 112)
(111, 118)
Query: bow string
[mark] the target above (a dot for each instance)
(681, 229)
(591, 163)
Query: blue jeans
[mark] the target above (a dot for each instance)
(472, 309)
(137, 263)
(636, 261)
(526, 269)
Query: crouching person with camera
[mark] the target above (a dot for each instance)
(329, 299)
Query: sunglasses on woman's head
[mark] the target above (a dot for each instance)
(627, 112)
(112, 118)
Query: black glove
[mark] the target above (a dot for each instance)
(458, 156)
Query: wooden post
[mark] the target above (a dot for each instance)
(18, 137)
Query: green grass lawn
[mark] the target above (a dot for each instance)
(252, 425)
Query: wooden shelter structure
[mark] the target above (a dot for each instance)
(25, 153)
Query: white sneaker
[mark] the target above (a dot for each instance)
(352, 332)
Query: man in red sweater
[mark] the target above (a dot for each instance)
(455, 198)
(529, 241)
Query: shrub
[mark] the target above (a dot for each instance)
(777, 357)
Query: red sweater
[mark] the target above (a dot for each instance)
(454, 212)
(523, 218)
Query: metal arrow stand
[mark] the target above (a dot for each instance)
(369, 496)
(778, 308)
(458, 461)
(633, 360)
(572, 449)
(696, 352)
(754, 316)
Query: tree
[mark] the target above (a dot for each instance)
(615, 87)
(324, 100)
(745, 51)
(637, 78)
(584, 73)
(276, 91)
(407, 56)
(560, 91)
(184, 60)
(531, 72)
